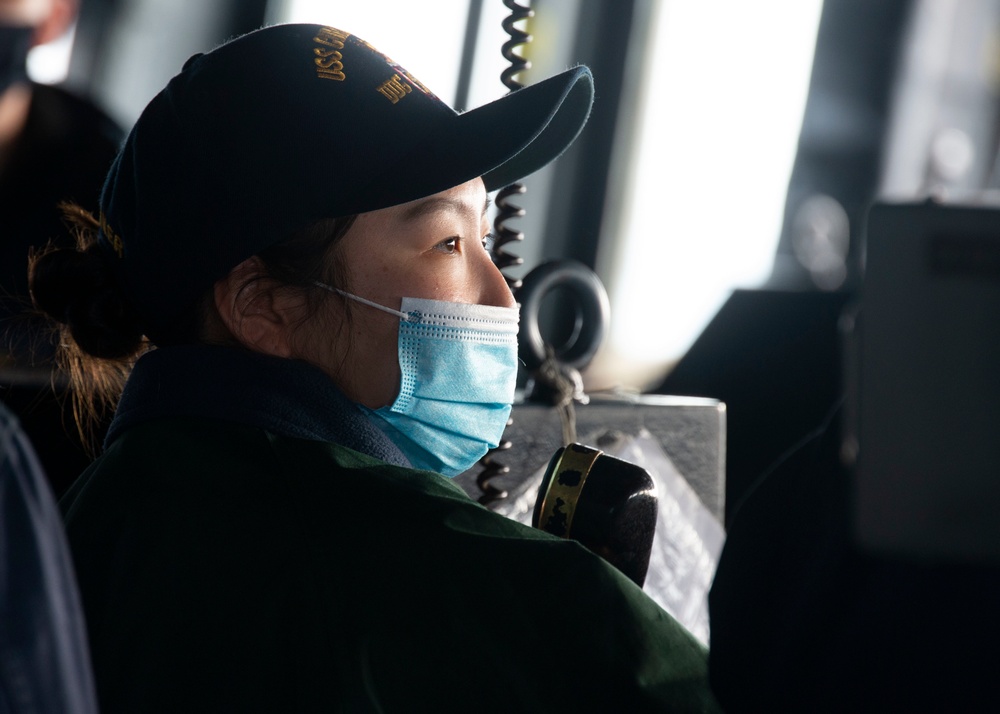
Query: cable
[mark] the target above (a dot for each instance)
(502, 232)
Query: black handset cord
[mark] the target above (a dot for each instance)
(503, 234)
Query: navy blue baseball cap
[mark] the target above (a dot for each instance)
(291, 124)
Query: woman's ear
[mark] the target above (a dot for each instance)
(260, 317)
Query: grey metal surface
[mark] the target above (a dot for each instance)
(691, 430)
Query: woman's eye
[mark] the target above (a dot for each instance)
(488, 240)
(448, 246)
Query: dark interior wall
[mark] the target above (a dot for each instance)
(246, 15)
(842, 140)
(104, 27)
(605, 38)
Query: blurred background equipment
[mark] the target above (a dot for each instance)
(924, 392)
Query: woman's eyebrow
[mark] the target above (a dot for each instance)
(441, 203)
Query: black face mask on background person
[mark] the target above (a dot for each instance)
(15, 42)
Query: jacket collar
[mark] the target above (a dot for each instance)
(282, 396)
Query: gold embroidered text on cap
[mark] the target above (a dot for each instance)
(329, 60)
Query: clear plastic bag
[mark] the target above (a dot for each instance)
(688, 537)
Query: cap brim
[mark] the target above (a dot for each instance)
(536, 137)
(503, 141)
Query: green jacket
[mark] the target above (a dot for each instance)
(228, 567)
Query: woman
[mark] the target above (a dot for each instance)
(297, 225)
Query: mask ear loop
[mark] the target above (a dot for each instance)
(414, 316)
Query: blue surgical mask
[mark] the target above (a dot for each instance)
(458, 365)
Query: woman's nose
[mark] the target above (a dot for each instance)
(494, 288)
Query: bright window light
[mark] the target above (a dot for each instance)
(725, 89)
(49, 64)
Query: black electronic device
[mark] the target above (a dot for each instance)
(608, 505)
(923, 410)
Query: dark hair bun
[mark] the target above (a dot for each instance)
(79, 289)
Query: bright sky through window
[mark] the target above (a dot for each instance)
(724, 94)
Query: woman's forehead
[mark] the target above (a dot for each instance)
(467, 200)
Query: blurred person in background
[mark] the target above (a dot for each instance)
(54, 146)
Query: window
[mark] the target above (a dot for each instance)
(717, 123)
